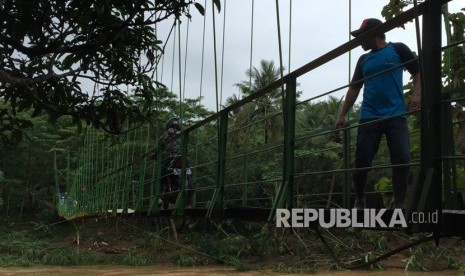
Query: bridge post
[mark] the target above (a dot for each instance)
(347, 174)
(285, 195)
(216, 204)
(428, 193)
(449, 165)
(155, 189)
(245, 189)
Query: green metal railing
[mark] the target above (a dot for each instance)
(266, 172)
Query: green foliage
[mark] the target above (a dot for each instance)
(461, 180)
(28, 164)
(134, 259)
(234, 246)
(384, 187)
(22, 244)
(393, 9)
(461, 269)
(26, 248)
(367, 258)
(321, 116)
(453, 62)
(155, 241)
(243, 245)
(66, 256)
(263, 242)
(426, 257)
(413, 263)
(264, 106)
(13, 261)
(185, 260)
(113, 45)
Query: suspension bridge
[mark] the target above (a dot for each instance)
(248, 168)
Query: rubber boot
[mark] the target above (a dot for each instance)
(359, 179)
(399, 187)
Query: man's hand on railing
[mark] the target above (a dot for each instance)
(340, 123)
(415, 102)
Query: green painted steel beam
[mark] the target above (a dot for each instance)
(217, 200)
(430, 199)
(347, 173)
(285, 195)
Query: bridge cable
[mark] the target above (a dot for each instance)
(179, 72)
(290, 36)
(222, 52)
(201, 84)
(155, 69)
(163, 52)
(279, 41)
(203, 51)
(445, 12)
(280, 48)
(215, 56)
(173, 56)
(251, 45)
(185, 60)
(350, 38)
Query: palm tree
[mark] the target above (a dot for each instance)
(270, 103)
(321, 115)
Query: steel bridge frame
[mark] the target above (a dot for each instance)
(432, 180)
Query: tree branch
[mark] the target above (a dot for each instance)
(5, 77)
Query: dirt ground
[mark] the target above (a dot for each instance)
(154, 238)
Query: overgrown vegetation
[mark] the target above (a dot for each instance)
(243, 245)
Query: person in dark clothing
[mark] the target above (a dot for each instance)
(172, 157)
(383, 99)
(171, 148)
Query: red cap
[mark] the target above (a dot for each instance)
(367, 24)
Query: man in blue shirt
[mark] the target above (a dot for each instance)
(380, 72)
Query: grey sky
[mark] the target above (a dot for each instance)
(317, 28)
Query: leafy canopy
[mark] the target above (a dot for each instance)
(82, 57)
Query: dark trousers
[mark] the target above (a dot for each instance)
(368, 140)
(166, 173)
